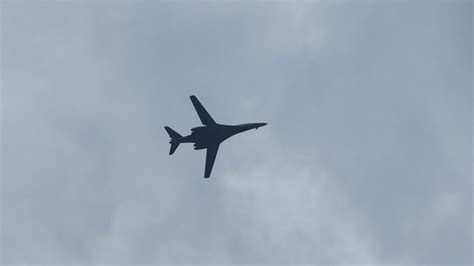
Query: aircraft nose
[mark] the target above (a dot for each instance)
(261, 125)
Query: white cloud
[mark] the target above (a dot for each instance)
(297, 214)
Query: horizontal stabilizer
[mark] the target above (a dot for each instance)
(174, 139)
(174, 146)
(173, 134)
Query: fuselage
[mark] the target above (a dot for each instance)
(205, 136)
(209, 136)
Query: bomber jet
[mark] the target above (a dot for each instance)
(209, 136)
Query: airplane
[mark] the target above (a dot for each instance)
(209, 136)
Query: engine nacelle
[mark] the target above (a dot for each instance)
(199, 146)
(198, 129)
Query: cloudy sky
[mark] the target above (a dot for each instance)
(366, 159)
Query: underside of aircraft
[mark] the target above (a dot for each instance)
(209, 136)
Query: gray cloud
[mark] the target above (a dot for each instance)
(367, 157)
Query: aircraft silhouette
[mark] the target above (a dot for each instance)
(209, 136)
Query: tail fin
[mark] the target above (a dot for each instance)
(173, 134)
(174, 137)
(174, 146)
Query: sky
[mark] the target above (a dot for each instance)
(366, 158)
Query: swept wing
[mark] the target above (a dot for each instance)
(210, 158)
(205, 117)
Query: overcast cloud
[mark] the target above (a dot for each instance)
(366, 159)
